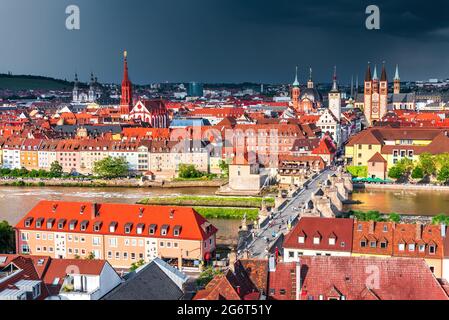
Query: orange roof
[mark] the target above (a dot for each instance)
(192, 225)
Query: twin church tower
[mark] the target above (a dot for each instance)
(376, 93)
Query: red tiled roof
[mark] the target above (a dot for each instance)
(352, 277)
(309, 226)
(193, 225)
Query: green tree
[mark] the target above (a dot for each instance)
(90, 256)
(394, 217)
(427, 163)
(443, 174)
(189, 171)
(441, 218)
(207, 275)
(137, 265)
(111, 168)
(396, 172)
(56, 169)
(441, 160)
(417, 173)
(358, 171)
(7, 241)
(224, 167)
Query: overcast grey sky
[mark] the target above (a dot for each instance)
(223, 40)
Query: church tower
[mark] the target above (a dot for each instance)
(368, 92)
(335, 97)
(310, 82)
(91, 88)
(296, 91)
(75, 90)
(126, 101)
(383, 92)
(397, 82)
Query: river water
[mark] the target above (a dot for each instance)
(15, 202)
(425, 203)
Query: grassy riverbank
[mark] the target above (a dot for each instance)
(227, 213)
(205, 201)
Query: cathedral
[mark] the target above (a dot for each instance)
(308, 100)
(91, 96)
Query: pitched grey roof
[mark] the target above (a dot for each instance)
(150, 283)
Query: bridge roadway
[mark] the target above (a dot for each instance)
(268, 236)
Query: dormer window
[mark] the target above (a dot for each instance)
(164, 230)
(385, 228)
(140, 228)
(332, 241)
(61, 224)
(83, 225)
(422, 247)
(432, 249)
(128, 227)
(177, 231)
(301, 239)
(383, 245)
(363, 243)
(97, 226)
(401, 247)
(28, 222)
(72, 224)
(39, 223)
(373, 244)
(50, 223)
(316, 240)
(152, 229)
(112, 227)
(411, 247)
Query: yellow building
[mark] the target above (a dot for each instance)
(394, 144)
(29, 154)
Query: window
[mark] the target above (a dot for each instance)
(385, 229)
(125, 255)
(411, 247)
(363, 243)
(373, 244)
(291, 254)
(359, 227)
(38, 236)
(383, 245)
(96, 241)
(113, 242)
(316, 240)
(332, 241)
(282, 292)
(25, 249)
(117, 255)
(401, 247)
(422, 248)
(432, 249)
(342, 244)
(301, 239)
(161, 244)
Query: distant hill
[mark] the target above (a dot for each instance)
(29, 82)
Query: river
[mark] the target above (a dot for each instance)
(425, 203)
(15, 202)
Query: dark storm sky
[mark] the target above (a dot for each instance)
(223, 40)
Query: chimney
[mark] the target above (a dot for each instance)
(298, 280)
(83, 207)
(443, 230)
(95, 208)
(419, 228)
(140, 212)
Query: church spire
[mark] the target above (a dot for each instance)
(368, 74)
(310, 82)
(334, 80)
(296, 83)
(383, 76)
(396, 74)
(126, 101)
(375, 73)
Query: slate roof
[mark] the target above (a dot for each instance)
(150, 283)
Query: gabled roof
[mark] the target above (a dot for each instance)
(377, 157)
